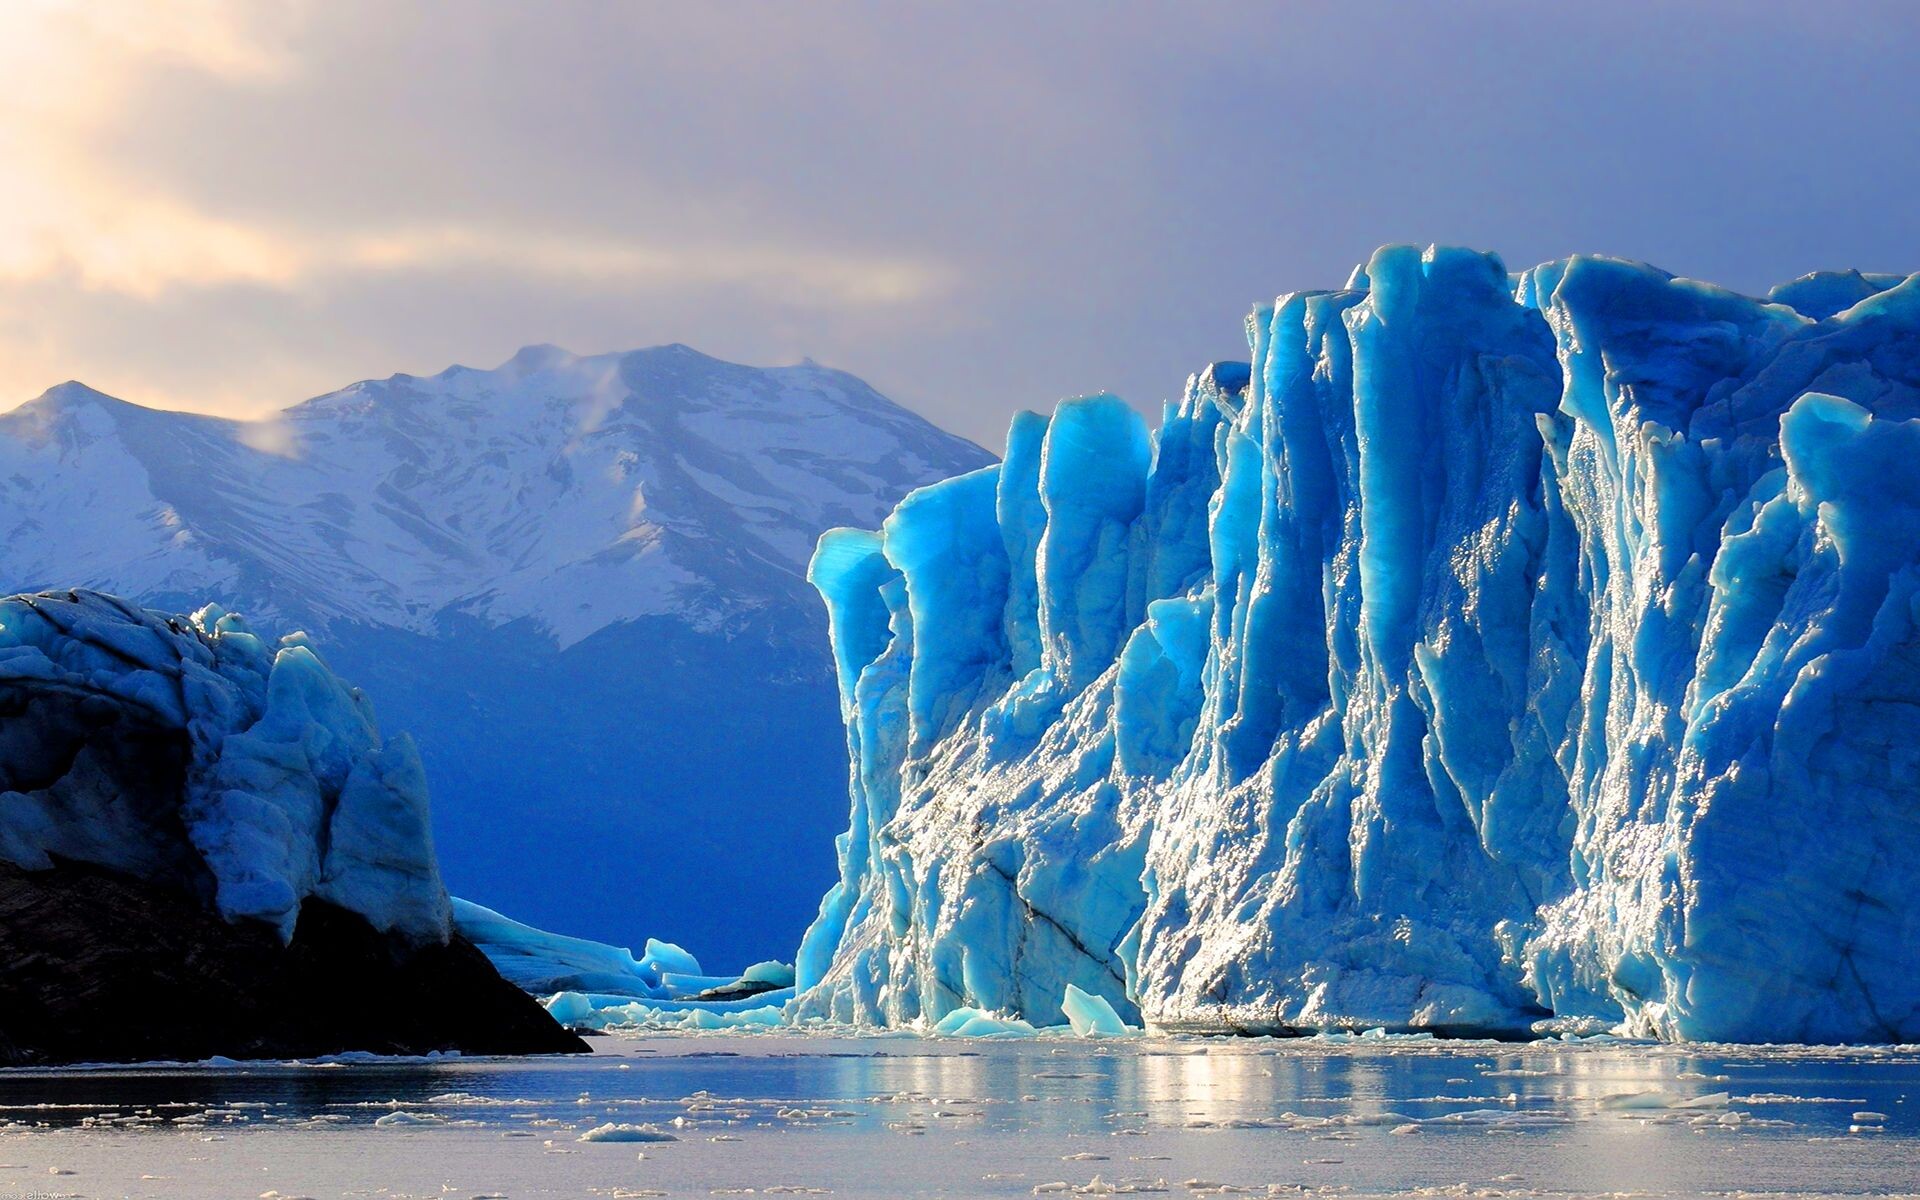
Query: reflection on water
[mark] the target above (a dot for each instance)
(1357, 1114)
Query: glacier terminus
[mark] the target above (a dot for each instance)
(1496, 654)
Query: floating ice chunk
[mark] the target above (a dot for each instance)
(615, 1132)
(667, 957)
(578, 1010)
(1657, 1099)
(779, 974)
(1092, 1016)
(571, 1009)
(1099, 1186)
(972, 1022)
(403, 1119)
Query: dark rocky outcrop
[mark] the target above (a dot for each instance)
(208, 848)
(102, 967)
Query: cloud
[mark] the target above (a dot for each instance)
(145, 247)
(67, 213)
(226, 38)
(135, 187)
(78, 215)
(830, 278)
(230, 205)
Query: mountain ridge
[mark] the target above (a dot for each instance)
(536, 423)
(577, 579)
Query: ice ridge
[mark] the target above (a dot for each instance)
(1495, 654)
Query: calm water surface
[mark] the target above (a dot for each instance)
(851, 1116)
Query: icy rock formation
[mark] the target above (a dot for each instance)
(1497, 654)
(208, 832)
(289, 790)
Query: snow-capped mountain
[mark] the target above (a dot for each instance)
(577, 492)
(577, 580)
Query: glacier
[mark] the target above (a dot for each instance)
(208, 848)
(1492, 653)
(593, 985)
(286, 790)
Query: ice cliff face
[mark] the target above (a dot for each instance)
(206, 848)
(190, 752)
(1498, 653)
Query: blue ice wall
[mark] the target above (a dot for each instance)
(1493, 654)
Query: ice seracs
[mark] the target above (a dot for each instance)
(286, 788)
(207, 848)
(1495, 654)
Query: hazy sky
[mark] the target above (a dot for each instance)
(229, 206)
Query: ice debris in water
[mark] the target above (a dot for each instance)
(1493, 651)
(405, 1119)
(584, 1011)
(616, 1132)
(1640, 1101)
(1092, 1016)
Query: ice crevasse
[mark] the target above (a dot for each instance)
(1495, 654)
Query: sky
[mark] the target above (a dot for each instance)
(977, 207)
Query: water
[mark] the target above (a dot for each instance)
(904, 1117)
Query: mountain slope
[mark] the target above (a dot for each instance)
(577, 580)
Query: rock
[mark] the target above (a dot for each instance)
(102, 967)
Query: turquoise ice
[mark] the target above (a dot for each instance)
(1495, 654)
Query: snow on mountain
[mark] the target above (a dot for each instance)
(562, 575)
(577, 492)
(1497, 654)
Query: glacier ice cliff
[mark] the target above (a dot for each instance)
(206, 847)
(1497, 653)
(285, 788)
